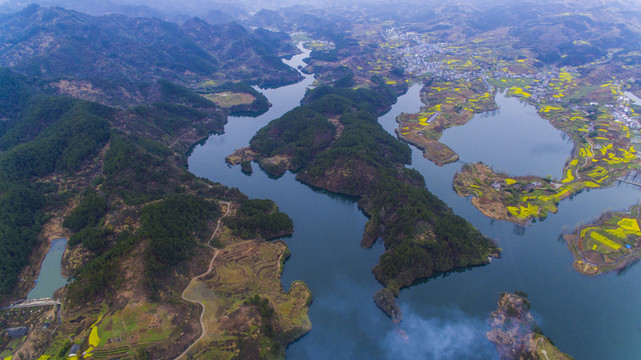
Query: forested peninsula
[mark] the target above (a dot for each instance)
(334, 142)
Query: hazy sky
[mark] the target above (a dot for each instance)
(191, 6)
(196, 7)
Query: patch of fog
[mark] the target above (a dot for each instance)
(456, 337)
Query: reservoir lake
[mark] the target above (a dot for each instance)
(50, 277)
(444, 317)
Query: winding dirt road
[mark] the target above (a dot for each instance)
(203, 331)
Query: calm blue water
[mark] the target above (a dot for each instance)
(50, 278)
(446, 317)
(514, 139)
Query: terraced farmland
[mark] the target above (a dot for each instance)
(241, 273)
(119, 353)
(610, 243)
(447, 104)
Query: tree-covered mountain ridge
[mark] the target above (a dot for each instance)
(113, 58)
(140, 226)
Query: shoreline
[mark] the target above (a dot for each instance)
(598, 259)
(32, 271)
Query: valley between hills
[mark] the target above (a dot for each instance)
(100, 114)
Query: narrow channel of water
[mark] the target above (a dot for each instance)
(325, 246)
(50, 278)
(446, 317)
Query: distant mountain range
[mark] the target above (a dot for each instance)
(130, 8)
(112, 51)
(557, 32)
